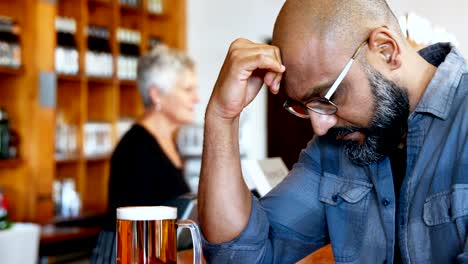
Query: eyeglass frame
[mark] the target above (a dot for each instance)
(329, 94)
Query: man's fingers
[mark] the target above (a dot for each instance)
(264, 62)
(269, 78)
(262, 56)
(240, 42)
(277, 52)
(276, 83)
(266, 50)
(273, 80)
(248, 57)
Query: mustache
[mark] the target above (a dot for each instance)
(337, 132)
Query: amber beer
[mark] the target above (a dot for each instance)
(148, 235)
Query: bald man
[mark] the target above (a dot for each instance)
(384, 179)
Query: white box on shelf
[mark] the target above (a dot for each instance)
(98, 138)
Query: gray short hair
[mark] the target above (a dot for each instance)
(160, 68)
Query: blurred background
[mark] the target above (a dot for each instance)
(68, 93)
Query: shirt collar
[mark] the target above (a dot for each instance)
(440, 92)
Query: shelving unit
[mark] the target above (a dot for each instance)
(10, 163)
(11, 71)
(23, 180)
(28, 181)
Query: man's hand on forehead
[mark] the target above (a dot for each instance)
(247, 67)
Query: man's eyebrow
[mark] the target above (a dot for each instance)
(318, 91)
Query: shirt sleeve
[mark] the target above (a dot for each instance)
(285, 225)
(463, 258)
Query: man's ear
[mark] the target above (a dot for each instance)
(386, 46)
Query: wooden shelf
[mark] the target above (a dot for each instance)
(159, 16)
(70, 158)
(98, 158)
(11, 71)
(99, 80)
(10, 163)
(69, 78)
(100, 2)
(130, 9)
(127, 83)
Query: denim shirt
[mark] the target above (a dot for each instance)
(327, 199)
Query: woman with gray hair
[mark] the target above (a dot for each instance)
(146, 168)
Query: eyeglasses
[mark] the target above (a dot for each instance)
(321, 105)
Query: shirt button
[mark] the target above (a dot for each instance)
(335, 198)
(385, 202)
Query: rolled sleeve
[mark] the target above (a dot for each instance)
(251, 246)
(463, 258)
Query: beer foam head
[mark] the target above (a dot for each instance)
(144, 213)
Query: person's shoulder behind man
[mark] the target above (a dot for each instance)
(135, 142)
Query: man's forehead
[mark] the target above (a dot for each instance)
(309, 70)
(304, 90)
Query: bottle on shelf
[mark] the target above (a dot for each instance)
(4, 220)
(66, 139)
(131, 3)
(129, 41)
(70, 202)
(66, 52)
(57, 196)
(13, 148)
(99, 61)
(4, 135)
(155, 7)
(10, 47)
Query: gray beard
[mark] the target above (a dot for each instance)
(387, 125)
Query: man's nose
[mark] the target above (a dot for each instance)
(322, 123)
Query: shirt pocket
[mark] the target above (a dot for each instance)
(445, 215)
(346, 206)
(445, 207)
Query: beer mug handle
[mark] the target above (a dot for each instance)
(196, 238)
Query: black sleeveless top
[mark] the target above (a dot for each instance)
(141, 174)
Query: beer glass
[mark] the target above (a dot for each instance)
(148, 235)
